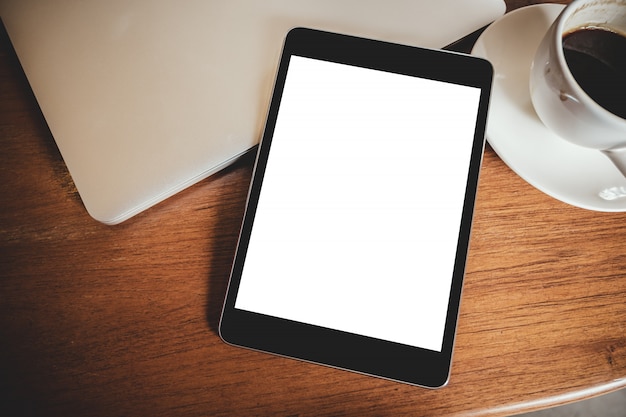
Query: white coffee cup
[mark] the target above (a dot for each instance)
(560, 102)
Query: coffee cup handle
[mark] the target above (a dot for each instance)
(618, 157)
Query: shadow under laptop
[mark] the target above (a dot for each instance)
(230, 207)
(22, 96)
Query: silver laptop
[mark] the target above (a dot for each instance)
(146, 97)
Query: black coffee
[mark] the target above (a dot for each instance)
(597, 60)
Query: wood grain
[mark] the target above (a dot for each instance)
(122, 321)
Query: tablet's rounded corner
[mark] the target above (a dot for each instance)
(437, 377)
(441, 384)
(223, 332)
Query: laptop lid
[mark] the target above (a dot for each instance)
(146, 97)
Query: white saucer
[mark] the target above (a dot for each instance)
(567, 172)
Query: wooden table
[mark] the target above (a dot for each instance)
(122, 321)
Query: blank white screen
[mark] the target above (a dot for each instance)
(358, 219)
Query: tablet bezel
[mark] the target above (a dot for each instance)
(335, 348)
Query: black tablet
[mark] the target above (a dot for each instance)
(355, 236)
